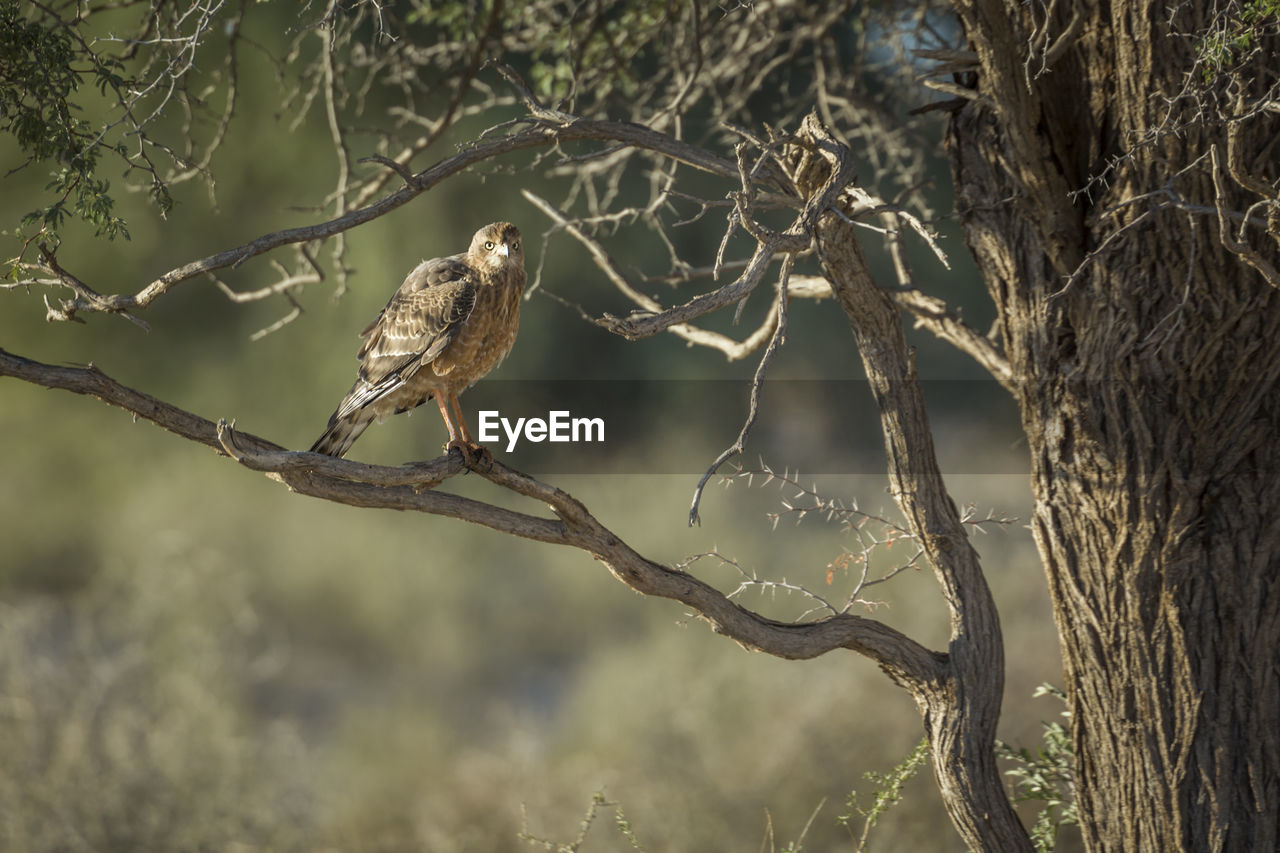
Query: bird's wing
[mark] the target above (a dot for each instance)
(423, 316)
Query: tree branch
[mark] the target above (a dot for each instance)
(757, 384)
(543, 133)
(732, 349)
(1234, 243)
(932, 313)
(409, 487)
(961, 720)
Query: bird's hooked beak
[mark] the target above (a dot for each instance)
(504, 250)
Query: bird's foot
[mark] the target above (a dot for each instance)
(483, 459)
(474, 456)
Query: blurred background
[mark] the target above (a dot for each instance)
(193, 658)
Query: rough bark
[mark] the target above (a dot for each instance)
(1145, 357)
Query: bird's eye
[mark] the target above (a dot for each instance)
(515, 245)
(488, 244)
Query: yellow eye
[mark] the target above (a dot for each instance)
(488, 244)
(515, 245)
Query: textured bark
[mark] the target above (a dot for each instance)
(1145, 356)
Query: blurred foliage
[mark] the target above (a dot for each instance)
(123, 724)
(621, 43)
(192, 658)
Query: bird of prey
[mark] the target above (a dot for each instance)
(452, 321)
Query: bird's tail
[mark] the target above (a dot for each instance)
(342, 433)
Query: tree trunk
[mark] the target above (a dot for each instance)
(1147, 354)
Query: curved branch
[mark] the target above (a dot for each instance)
(962, 720)
(932, 313)
(410, 488)
(378, 487)
(1235, 243)
(796, 238)
(543, 132)
(640, 325)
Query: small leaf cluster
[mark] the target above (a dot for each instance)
(1046, 776)
(887, 793)
(593, 49)
(42, 67)
(455, 20)
(1236, 35)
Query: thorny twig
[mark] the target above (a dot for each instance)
(872, 533)
(757, 386)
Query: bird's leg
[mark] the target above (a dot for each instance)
(462, 420)
(455, 439)
(473, 451)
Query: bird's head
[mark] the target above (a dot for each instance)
(497, 246)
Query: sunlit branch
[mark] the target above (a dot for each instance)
(542, 133)
(410, 487)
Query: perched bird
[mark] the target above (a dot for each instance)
(452, 321)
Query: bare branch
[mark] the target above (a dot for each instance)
(1229, 239)
(873, 533)
(542, 134)
(86, 297)
(757, 385)
(732, 349)
(410, 488)
(932, 313)
(753, 580)
(337, 136)
(394, 165)
(640, 325)
(961, 744)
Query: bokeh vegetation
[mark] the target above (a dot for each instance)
(192, 658)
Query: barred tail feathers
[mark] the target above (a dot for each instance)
(342, 432)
